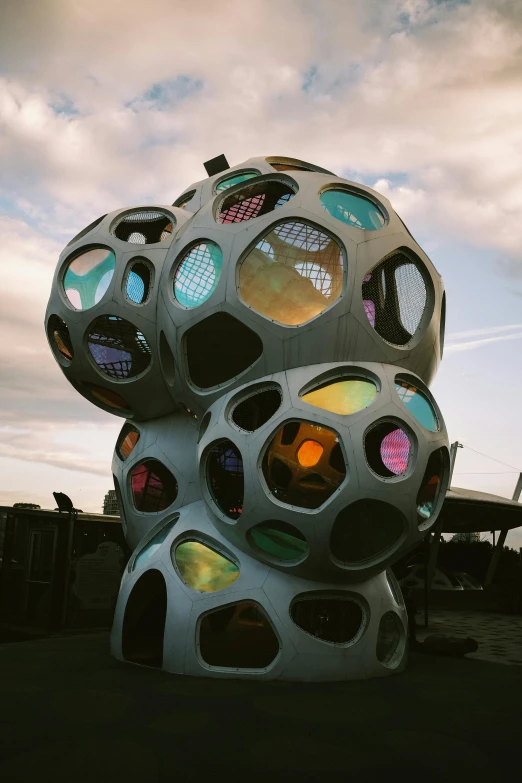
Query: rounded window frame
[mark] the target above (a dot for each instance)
(230, 175)
(264, 556)
(220, 197)
(412, 457)
(362, 194)
(128, 269)
(398, 655)
(115, 222)
(149, 535)
(58, 355)
(337, 375)
(421, 386)
(185, 197)
(141, 460)
(301, 166)
(333, 594)
(245, 394)
(178, 260)
(79, 251)
(201, 538)
(262, 480)
(429, 307)
(205, 484)
(251, 246)
(94, 365)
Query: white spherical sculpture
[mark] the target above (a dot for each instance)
(269, 339)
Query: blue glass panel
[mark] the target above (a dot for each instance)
(135, 288)
(198, 274)
(353, 210)
(417, 404)
(153, 545)
(228, 183)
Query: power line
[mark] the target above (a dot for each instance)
(516, 470)
(486, 473)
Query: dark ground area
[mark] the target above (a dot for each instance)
(69, 712)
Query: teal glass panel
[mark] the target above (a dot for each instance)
(279, 540)
(228, 183)
(353, 210)
(153, 545)
(204, 569)
(88, 277)
(417, 404)
(198, 274)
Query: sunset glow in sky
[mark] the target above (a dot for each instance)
(105, 105)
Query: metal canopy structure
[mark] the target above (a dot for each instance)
(470, 511)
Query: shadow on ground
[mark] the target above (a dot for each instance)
(72, 713)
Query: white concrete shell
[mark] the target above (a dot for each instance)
(299, 654)
(400, 493)
(146, 396)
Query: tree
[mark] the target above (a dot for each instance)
(26, 505)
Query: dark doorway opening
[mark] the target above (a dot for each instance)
(144, 621)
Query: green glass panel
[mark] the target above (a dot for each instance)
(228, 183)
(88, 276)
(353, 210)
(417, 404)
(281, 541)
(343, 397)
(153, 545)
(204, 569)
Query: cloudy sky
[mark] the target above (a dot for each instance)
(105, 105)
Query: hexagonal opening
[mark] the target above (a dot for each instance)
(365, 530)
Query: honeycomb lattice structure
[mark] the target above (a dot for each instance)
(269, 340)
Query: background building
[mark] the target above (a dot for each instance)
(110, 503)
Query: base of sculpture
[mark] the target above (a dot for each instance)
(192, 603)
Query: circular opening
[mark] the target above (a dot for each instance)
(60, 339)
(279, 540)
(153, 486)
(167, 360)
(388, 449)
(118, 347)
(332, 618)
(365, 530)
(395, 296)
(293, 273)
(254, 411)
(225, 478)
(146, 227)
(353, 209)
(235, 180)
(87, 277)
(127, 440)
(430, 489)
(342, 396)
(254, 200)
(138, 281)
(203, 568)
(304, 464)
(417, 402)
(184, 200)
(389, 638)
(197, 274)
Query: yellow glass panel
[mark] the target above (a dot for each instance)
(292, 274)
(309, 453)
(343, 397)
(204, 569)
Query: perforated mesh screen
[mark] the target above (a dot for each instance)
(119, 349)
(254, 200)
(138, 281)
(257, 409)
(395, 297)
(198, 274)
(144, 228)
(332, 619)
(387, 448)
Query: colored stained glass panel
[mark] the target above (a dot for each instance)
(342, 397)
(127, 441)
(88, 276)
(352, 210)
(119, 349)
(279, 540)
(204, 569)
(228, 183)
(292, 274)
(429, 492)
(395, 451)
(154, 488)
(254, 200)
(417, 403)
(198, 274)
(153, 545)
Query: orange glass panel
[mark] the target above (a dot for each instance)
(309, 453)
(107, 397)
(129, 442)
